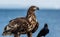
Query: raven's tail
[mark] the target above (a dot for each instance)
(38, 35)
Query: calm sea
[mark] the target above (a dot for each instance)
(51, 17)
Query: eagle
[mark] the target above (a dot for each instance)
(44, 31)
(23, 25)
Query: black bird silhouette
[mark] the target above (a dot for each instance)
(23, 25)
(43, 31)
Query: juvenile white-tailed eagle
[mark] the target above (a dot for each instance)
(23, 25)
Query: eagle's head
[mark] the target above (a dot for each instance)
(31, 11)
(33, 8)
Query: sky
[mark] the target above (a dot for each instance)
(47, 4)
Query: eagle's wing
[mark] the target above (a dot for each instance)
(36, 27)
(18, 24)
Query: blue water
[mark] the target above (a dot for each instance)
(51, 17)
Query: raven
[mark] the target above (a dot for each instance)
(44, 31)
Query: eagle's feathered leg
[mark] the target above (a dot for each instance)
(17, 34)
(29, 34)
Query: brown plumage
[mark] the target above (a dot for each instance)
(23, 25)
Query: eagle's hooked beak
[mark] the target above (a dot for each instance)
(37, 8)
